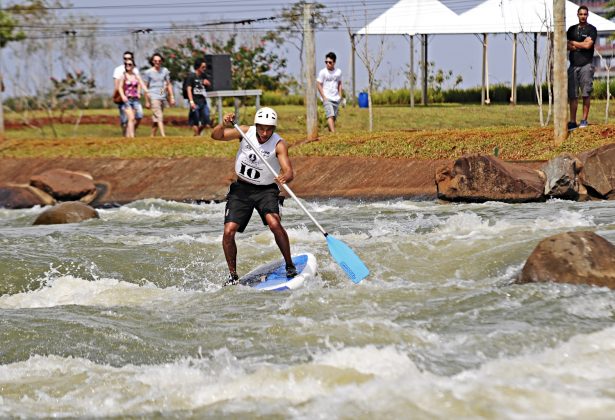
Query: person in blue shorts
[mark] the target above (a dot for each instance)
(198, 118)
(256, 187)
(130, 87)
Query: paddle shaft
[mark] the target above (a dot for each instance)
(275, 174)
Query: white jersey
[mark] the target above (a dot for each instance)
(330, 81)
(249, 167)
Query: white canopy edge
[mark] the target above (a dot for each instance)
(426, 17)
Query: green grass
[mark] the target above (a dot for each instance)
(433, 132)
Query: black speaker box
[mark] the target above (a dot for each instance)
(218, 71)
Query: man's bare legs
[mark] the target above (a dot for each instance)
(230, 246)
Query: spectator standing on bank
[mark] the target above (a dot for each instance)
(198, 118)
(581, 38)
(158, 82)
(329, 83)
(118, 72)
(131, 86)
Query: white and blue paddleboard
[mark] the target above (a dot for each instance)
(272, 276)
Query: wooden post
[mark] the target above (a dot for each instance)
(412, 77)
(513, 82)
(310, 73)
(560, 77)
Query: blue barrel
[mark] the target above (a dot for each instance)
(363, 100)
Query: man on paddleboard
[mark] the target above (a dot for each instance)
(256, 187)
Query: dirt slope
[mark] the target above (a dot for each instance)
(194, 179)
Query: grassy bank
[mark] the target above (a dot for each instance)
(433, 132)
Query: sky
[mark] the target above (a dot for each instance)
(460, 53)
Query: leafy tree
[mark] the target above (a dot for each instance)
(13, 16)
(8, 30)
(252, 66)
(610, 9)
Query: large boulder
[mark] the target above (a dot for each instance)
(477, 178)
(66, 212)
(65, 185)
(598, 174)
(21, 196)
(562, 177)
(572, 257)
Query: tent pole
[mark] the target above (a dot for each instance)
(411, 71)
(513, 83)
(484, 76)
(353, 48)
(535, 72)
(424, 69)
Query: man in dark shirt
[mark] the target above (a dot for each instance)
(199, 111)
(581, 38)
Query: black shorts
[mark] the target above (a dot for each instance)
(244, 197)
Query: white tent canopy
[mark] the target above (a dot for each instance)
(426, 17)
(430, 17)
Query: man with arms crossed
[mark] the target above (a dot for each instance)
(256, 186)
(581, 38)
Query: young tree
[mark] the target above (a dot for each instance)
(293, 29)
(9, 31)
(370, 61)
(55, 48)
(542, 68)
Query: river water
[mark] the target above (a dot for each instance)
(125, 316)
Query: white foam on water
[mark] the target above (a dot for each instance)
(136, 239)
(168, 211)
(564, 219)
(597, 304)
(468, 224)
(573, 380)
(69, 290)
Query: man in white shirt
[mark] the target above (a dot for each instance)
(329, 83)
(118, 72)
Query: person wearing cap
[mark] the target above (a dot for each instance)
(256, 187)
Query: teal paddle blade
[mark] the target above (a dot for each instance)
(347, 259)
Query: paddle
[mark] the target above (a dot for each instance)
(341, 253)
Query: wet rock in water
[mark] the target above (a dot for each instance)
(598, 174)
(66, 212)
(477, 178)
(16, 196)
(572, 257)
(65, 185)
(562, 177)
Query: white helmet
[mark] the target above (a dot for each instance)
(266, 116)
